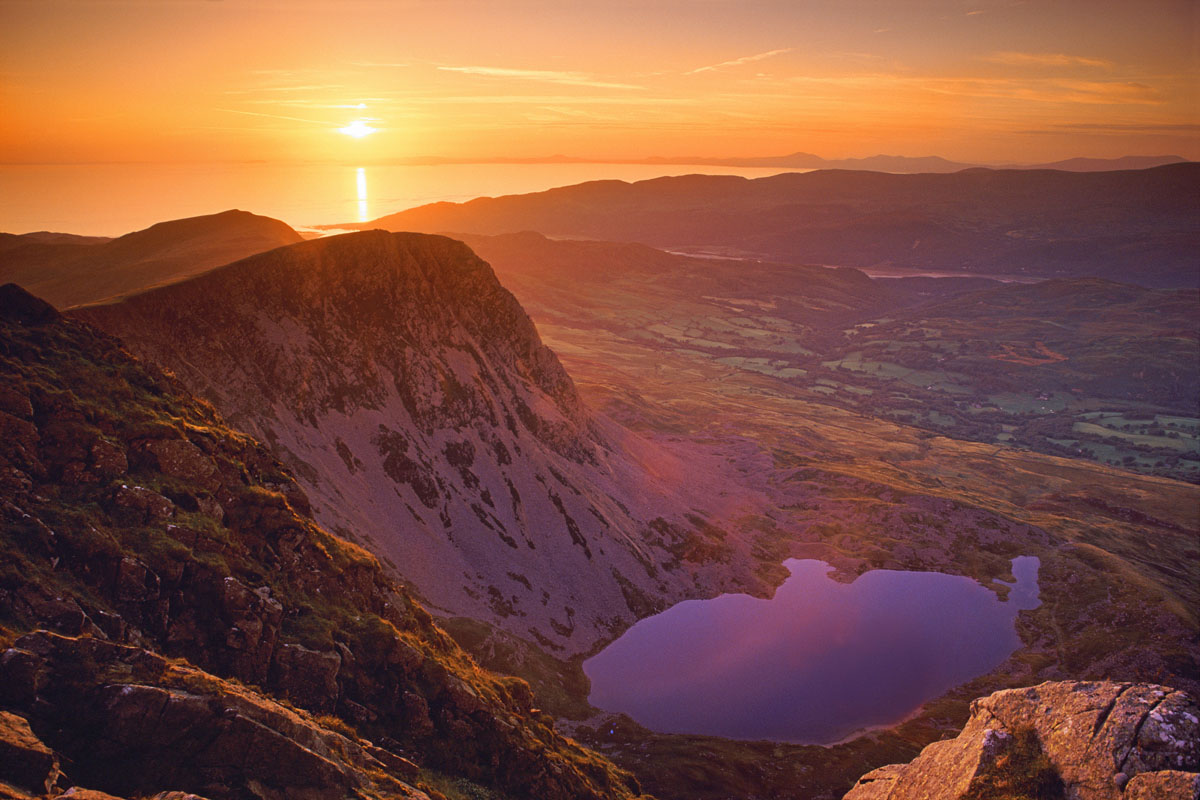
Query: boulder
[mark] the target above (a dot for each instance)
(24, 761)
(140, 505)
(1167, 784)
(78, 793)
(307, 677)
(1089, 740)
(181, 459)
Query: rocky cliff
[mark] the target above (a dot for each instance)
(1075, 740)
(420, 410)
(173, 619)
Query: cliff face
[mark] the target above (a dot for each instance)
(413, 398)
(162, 581)
(1076, 740)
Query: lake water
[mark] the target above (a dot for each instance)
(817, 663)
(113, 199)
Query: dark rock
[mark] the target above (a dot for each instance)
(108, 460)
(20, 677)
(140, 505)
(77, 793)
(181, 459)
(135, 581)
(19, 306)
(24, 761)
(398, 766)
(308, 677)
(254, 618)
(15, 402)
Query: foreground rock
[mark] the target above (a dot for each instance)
(1078, 740)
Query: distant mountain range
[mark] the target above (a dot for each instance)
(878, 163)
(910, 164)
(1138, 226)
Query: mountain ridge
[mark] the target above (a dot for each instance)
(67, 270)
(419, 408)
(1133, 225)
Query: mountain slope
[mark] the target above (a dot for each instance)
(1135, 226)
(420, 410)
(67, 271)
(161, 580)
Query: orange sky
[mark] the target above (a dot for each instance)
(215, 80)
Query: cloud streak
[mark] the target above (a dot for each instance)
(1046, 60)
(739, 61)
(272, 116)
(544, 76)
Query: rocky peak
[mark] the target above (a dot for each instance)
(1074, 739)
(417, 405)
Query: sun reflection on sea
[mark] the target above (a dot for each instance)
(361, 176)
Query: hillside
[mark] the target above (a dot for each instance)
(1138, 226)
(172, 618)
(71, 270)
(421, 412)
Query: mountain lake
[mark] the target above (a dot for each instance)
(819, 662)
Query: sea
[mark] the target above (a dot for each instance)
(114, 199)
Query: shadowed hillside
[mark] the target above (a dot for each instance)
(70, 270)
(1136, 226)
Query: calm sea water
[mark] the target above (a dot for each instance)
(113, 199)
(816, 663)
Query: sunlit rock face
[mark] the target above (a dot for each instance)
(1076, 739)
(421, 412)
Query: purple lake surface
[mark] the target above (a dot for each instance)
(818, 662)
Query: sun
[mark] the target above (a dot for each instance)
(358, 129)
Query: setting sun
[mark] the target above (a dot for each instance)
(358, 129)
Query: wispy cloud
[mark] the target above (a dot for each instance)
(272, 116)
(743, 60)
(545, 76)
(312, 87)
(1050, 91)
(1116, 127)
(1045, 60)
(385, 64)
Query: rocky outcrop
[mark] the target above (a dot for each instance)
(1076, 740)
(124, 723)
(24, 761)
(149, 617)
(418, 407)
